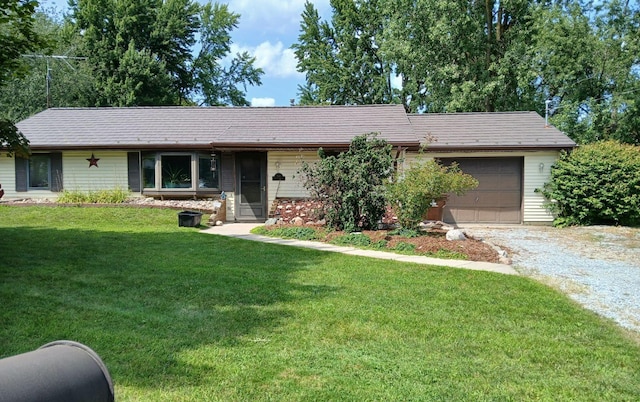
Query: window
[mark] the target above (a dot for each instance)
(208, 168)
(149, 171)
(169, 171)
(176, 171)
(39, 172)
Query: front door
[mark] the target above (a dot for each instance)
(251, 170)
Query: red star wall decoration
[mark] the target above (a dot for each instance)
(93, 161)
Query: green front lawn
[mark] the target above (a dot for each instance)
(178, 315)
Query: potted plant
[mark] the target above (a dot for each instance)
(175, 178)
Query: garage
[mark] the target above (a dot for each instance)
(498, 197)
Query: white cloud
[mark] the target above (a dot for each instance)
(276, 60)
(273, 15)
(259, 102)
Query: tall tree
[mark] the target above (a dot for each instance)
(214, 83)
(17, 36)
(457, 55)
(142, 52)
(482, 55)
(55, 76)
(586, 60)
(342, 60)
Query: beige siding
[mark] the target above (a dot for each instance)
(231, 205)
(77, 176)
(537, 171)
(111, 171)
(7, 176)
(289, 162)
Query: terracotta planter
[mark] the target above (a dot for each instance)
(437, 212)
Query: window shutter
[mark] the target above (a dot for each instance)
(133, 167)
(56, 171)
(22, 169)
(227, 173)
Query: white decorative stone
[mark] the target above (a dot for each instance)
(219, 223)
(456, 235)
(271, 222)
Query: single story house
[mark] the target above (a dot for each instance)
(252, 155)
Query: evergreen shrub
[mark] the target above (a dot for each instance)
(596, 184)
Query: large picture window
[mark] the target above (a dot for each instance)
(176, 171)
(180, 171)
(40, 172)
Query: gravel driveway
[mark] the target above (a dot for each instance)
(597, 266)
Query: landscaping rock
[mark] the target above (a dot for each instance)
(298, 221)
(271, 222)
(455, 235)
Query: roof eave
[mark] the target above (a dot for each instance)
(504, 148)
(266, 146)
(114, 147)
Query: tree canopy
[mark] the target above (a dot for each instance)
(142, 53)
(17, 36)
(491, 55)
(123, 53)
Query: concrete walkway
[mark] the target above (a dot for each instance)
(243, 231)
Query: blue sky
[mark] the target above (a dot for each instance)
(267, 29)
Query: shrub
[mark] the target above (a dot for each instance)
(289, 232)
(595, 184)
(404, 247)
(380, 245)
(113, 196)
(352, 239)
(424, 182)
(351, 184)
(448, 255)
(404, 232)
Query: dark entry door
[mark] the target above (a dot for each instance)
(251, 170)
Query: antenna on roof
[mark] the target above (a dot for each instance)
(48, 76)
(546, 113)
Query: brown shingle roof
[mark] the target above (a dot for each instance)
(500, 130)
(283, 127)
(195, 126)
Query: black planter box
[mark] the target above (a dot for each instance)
(189, 218)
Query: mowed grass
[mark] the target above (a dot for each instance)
(178, 315)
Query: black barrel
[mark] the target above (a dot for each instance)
(189, 218)
(58, 371)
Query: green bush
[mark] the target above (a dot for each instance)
(113, 196)
(404, 232)
(289, 232)
(380, 245)
(423, 183)
(596, 184)
(351, 184)
(352, 239)
(448, 255)
(404, 247)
